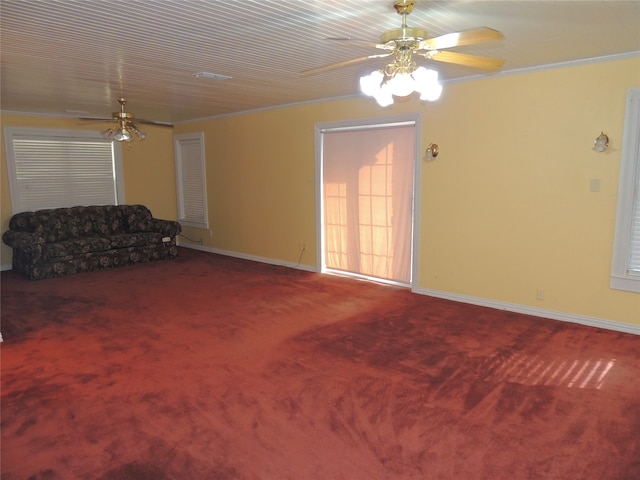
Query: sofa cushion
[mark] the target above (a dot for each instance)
(138, 218)
(59, 224)
(139, 239)
(75, 246)
(102, 220)
(50, 224)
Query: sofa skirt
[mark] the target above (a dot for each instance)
(87, 262)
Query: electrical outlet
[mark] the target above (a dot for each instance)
(540, 294)
(210, 233)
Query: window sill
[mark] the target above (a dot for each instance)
(627, 283)
(187, 223)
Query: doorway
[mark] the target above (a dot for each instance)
(366, 193)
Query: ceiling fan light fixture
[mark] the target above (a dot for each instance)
(370, 84)
(121, 135)
(140, 135)
(108, 134)
(125, 129)
(424, 76)
(427, 84)
(431, 93)
(401, 83)
(384, 97)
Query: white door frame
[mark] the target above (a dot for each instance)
(359, 124)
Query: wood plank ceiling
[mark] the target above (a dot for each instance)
(60, 57)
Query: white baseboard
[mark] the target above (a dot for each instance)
(270, 261)
(483, 302)
(536, 312)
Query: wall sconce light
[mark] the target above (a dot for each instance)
(601, 143)
(432, 151)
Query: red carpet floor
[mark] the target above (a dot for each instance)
(208, 367)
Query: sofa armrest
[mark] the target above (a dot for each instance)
(26, 241)
(166, 227)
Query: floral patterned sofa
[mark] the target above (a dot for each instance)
(62, 241)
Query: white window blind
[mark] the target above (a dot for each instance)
(634, 262)
(191, 180)
(625, 269)
(60, 168)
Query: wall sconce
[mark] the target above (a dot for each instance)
(432, 152)
(601, 143)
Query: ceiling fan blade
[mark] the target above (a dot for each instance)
(467, 37)
(474, 61)
(138, 120)
(313, 71)
(97, 119)
(361, 43)
(152, 122)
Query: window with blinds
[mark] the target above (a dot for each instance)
(61, 168)
(634, 262)
(625, 270)
(191, 180)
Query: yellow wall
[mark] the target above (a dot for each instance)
(515, 182)
(148, 169)
(506, 209)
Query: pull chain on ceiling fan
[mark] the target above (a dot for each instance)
(403, 76)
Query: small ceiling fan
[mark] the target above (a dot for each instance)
(406, 41)
(124, 128)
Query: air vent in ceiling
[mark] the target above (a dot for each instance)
(212, 76)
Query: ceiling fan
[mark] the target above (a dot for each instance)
(124, 129)
(402, 74)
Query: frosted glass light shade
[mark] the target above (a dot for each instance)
(427, 84)
(370, 84)
(431, 93)
(122, 135)
(384, 97)
(402, 85)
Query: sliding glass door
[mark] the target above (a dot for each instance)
(367, 200)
